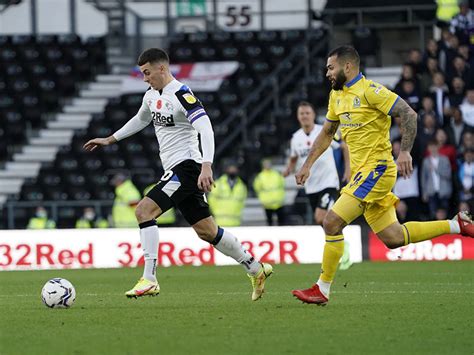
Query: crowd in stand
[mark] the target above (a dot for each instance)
(439, 85)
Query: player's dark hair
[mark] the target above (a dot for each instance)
(305, 103)
(153, 55)
(346, 53)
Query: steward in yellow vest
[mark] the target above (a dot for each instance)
(90, 220)
(127, 197)
(41, 221)
(269, 185)
(227, 198)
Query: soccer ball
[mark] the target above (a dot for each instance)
(58, 293)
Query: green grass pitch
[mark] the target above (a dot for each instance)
(375, 308)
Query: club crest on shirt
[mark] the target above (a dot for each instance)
(189, 98)
(168, 106)
(356, 103)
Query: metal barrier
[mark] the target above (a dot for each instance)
(54, 206)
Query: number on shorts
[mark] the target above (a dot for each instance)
(167, 175)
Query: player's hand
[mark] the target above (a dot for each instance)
(205, 180)
(404, 164)
(286, 172)
(347, 176)
(96, 142)
(302, 175)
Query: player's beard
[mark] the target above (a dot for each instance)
(339, 80)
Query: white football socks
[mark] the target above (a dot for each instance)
(454, 226)
(149, 238)
(324, 287)
(229, 245)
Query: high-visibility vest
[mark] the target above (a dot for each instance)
(447, 9)
(41, 223)
(83, 223)
(122, 213)
(227, 203)
(169, 217)
(270, 188)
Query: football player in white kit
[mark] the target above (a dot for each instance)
(322, 186)
(178, 117)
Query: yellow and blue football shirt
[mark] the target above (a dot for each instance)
(363, 108)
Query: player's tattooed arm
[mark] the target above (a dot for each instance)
(408, 124)
(320, 144)
(408, 131)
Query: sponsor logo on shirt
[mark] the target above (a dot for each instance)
(189, 98)
(356, 102)
(162, 120)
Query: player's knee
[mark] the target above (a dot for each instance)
(143, 213)
(393, 243)
(332, 224)
(393, 240)
(319, 219)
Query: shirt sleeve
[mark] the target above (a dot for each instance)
(331, 115)
(191, 106)
(204, 128)
(293, 152)
(136, 123)
(381, 98)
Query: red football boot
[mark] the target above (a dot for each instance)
(465, 223)
(311, 295)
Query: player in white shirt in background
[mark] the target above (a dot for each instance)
(322, 186)
(178, 117)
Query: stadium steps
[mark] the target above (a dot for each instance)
(387, 76)
(58, 132)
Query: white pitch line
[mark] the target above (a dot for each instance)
(368, 292)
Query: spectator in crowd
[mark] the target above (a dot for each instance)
(427, 107)
(456, 96)
(467, 107)
(395, 128)
(415, 59)
(445, 11)
(445, 148)
(227, 199)
(445, 49)
(410, 93)
(462, 22)
(436, 182)
(460, 68)
(439, 92)
(463, 51)
(466, 176)
(127, 197)
(408, 73)
(456, 127)
(426, 79)
(41, 220)
(407, 191)
(89, 219)
(427, 131)
(269, 186)
(466, 206)
(467, 141)
(431, 51)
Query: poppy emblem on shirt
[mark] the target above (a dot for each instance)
(158, 104)
(308, 143)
